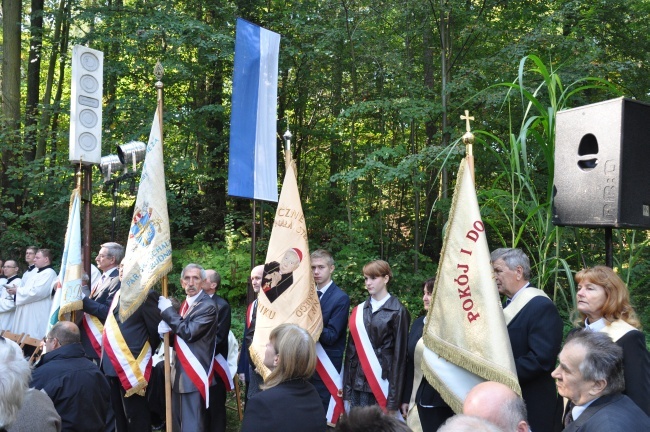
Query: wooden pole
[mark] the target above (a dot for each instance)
(167, 367)
(159, 72)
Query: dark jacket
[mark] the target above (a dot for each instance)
(536, 337)
(223, 325)
(199, 331)
(611, 413)
(249, 329)
(426, 394)
(77, 387)
(335, 306)
(291, 406)
(98, 304)
(139, 328)
(388, 332)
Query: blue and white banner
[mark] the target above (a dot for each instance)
(68, 294)
(252, 166)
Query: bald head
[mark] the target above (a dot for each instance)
(211, 283)
(498, 404)
(256, 277)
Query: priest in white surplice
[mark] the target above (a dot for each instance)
(34, 298)
(8, 284)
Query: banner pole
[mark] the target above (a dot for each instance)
(158, 71)
(468, 139)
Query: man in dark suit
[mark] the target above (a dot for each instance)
(217, 410)
(535, 331)
(139, 333)
(335, 306)
(195, 334)
(590, 375)
(244, 369)
(97, 304)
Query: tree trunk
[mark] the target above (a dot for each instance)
(47, 108)
(11, 15)
(33, 77)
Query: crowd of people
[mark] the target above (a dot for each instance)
(98, 372)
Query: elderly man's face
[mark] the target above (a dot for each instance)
(192, 281)
(568, 378)
(508, 281)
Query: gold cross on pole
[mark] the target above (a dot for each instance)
(467, 118)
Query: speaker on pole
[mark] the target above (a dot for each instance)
(86, 105)
(602, 152)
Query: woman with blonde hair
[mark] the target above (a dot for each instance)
(603, 302)
(376, 353)
(288, 401)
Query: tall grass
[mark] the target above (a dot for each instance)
(517, 203)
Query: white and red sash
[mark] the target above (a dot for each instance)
(94, 330)
(133, 373)
(333, 380)
(221, 369)
(367, 357)
(194, 369)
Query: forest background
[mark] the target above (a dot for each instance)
(372, 91)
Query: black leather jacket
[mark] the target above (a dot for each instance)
(388, 332)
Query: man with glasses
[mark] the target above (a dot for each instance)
(98, 303)
(8, 284)
(78, 389)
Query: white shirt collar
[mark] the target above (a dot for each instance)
(190, 300)
(108, 272)
(376, 304)
(579, 409)
(322, 290)
(596, 326)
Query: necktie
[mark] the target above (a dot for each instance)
(320, 294)
(508, 301)
(183, 309)
(568, 418)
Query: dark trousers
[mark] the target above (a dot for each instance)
(216, 421)
(131, 413)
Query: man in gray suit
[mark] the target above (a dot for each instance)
(590, 375)
(97, 304)
(194, 330)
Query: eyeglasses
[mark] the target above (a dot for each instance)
(103, 256)
(6, 266)
(47, 339)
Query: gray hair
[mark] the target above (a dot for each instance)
(323, 254)
(66, 333)
(14, 381)
(603, 359)
(115, 250)
(465, 423)
(194, 266)
(513, 259)
(513, 412)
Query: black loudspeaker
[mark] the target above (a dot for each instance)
(602, 165)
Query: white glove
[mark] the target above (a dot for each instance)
(164, 303)
(163, 328)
